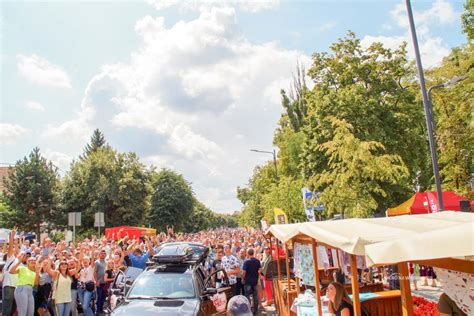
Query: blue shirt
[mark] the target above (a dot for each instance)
(251, 267)
(139, 261)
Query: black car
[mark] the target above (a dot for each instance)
(177, 283)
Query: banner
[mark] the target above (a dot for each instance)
(308, 204)
(280, 216)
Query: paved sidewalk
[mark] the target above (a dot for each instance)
(428, 292)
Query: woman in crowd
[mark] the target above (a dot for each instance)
(62, 288)
(339, 302)
(74, 285)
(86, 285)
(28, 277)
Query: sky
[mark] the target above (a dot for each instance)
(187, 85)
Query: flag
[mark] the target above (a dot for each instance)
(308, 204)
(280, 216)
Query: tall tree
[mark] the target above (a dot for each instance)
(251, 196)
(368, 88)
(110, 182)
(468, 19)
(294, 102)
(355, 172)
(172, 201)
(453, 108)
(30, 191)
(97, 141)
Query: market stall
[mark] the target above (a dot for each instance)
(352, 236)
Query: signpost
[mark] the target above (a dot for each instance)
(74, 219)
(311, 203)
(99, 220)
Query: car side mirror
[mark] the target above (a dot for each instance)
(117, 292)
(127, 288)
(210, 291)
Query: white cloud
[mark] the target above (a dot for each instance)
(327, 26)
(392, 42)
(441, 12)
(72, 130)
(11, 133)
(185, 95)
(432, 49)
(251, 6)
(59, 159)
(40, 71)
(33, 105)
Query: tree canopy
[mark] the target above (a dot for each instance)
(30, 192)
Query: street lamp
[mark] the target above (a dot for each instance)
(427, 106)
(274, 158)
(448, 84)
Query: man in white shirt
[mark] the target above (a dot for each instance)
(9, 280)
(231, 265)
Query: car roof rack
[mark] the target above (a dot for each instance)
(179, 253)
(174, 254)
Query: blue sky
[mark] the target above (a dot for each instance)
(188, 85)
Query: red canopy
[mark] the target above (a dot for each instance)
(132, 232)
(427, 202)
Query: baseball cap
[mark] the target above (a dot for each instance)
(239, 306)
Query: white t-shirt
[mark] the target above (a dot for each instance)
(87, 275)
(8, 278)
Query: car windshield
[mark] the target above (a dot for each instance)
(162, 285)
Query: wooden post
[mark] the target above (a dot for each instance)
(287, 261)
(317, 287)
(355, 286)
(278, 258)
(407, 302)
(297, 280)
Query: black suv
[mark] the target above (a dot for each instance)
(176, 283)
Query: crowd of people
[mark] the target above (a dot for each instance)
(50, 277)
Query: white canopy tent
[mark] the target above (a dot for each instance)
(354, 235)
(436, 239)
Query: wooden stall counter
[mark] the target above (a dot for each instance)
(284, 297)
(386, 303)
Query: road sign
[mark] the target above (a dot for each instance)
(74, 219)
(99, 219)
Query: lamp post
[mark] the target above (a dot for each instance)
(427, 106)
(274, 158)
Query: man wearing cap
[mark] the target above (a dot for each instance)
(239, 305)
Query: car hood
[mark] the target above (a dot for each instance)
(174, 307)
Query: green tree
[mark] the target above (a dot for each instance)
(468, 19)
(294, 103)
(354, 172)
(172, 201)
(110, 182)
(251, 196)
(453, 108)
(30, 192)
(97, 141)
(286, 195)
(369, 89)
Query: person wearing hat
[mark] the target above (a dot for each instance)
(239, 305)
